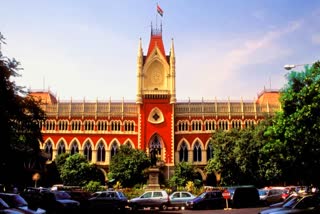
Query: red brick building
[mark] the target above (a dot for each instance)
(180, 131)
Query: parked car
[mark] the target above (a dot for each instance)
(60, 202)
(4, 208)
(274, 195)
(207, 200)
(179, 198)
(81, 196)
(52, 201)
(263, 194)
(157, 198)
(107, 200)
(244, 196)
(298, 204)
(18, 202)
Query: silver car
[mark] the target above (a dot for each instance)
(179, 198)
(157, 198)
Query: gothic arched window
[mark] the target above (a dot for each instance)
(101, 156)
(209, 151)
(74, 148)
(61, 148)
(88, 151)
(114, 148)
(48, 149)
(197, 152)
(183, 152)
(128, 144)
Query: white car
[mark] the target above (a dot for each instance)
(179, 198)
(156, 198)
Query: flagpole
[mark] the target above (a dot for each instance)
(157, 17)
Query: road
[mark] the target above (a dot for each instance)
(231, 211)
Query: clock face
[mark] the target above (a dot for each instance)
(156, 76)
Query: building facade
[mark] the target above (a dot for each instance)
(178, 131)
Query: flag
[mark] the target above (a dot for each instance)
(159, 10)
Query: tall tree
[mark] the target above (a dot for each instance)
(223, 163)
(237, 157)
(75, 170)
(183, 172)
(20, 124)
(297, 128)
(128, 166)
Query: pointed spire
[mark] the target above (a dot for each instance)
(140, 52)
(172, 48)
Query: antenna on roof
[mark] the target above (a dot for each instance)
(43, 83)
(270, 81)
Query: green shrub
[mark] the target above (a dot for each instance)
(94, 186)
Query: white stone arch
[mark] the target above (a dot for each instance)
(249, 122)
(129, 123)
(207, 152)
(115, 123)
(98, 142)
(156, 64)
(84, 142)
(111, 143)
(225, 124)
(207, 143)
(162, 144)
(200, 159)
(196, 122)
(180, 142)
(43, 145)
(71, 142)
(156, 112)
(156, 57)
(184, 123)
(203, 175)
(201, 143)
(237, 121)
(56, 149)
(104, 173)
(128, 140)
(61, 140)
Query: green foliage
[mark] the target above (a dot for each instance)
(94, 186)
(77, 171)
(297, 129)
(128, 166)
(20, 123)
(183, 172)
(60, 161)
(237, 155)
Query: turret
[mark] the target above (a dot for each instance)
(139, 73)
(173, 73)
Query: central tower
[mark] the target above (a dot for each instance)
(156, 96)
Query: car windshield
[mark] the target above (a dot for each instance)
(3, 204)
(14, 200)
(59, 195)
(121, 195)
(291, 203)
(202, 195)
(263, 192)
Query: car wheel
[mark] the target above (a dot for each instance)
(163, 207)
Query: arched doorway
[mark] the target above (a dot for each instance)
(155, 149)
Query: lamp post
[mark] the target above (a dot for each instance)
(289, 67)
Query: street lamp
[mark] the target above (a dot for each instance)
(289, 67)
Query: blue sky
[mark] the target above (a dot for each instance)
(88, 49)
